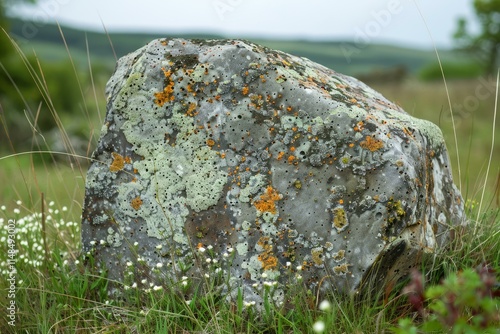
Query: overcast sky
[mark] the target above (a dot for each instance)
(390, 21)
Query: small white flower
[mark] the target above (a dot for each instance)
(159, 265)
(188, 302)
(215, 260)
(264, 275)
(134, 285)
(159, 246)
(16, 211)
(225, 255)
(93, 242)
(184, 278)
(288, 264)
(208, 260)
(156, 288)
(144, 281)
(230, 249)
(64, 208)
(19, 202)
(319, 326)
(136, 244)
(147, 290)
(3, 207)
(102, 242)
(325, 305)
(299, 268)
(298, 277)
(207, 275)
(107, 302)
(255, 285)
(209, 247)
(201, 249)
(129, 264)
(51, 203)
(77, 262)
(126, 287)
(185, 283)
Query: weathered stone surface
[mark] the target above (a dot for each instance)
(292, 172)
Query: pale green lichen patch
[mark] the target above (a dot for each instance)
(317, 255)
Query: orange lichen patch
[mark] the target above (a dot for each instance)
(166, 95)
(353, 100)
(244, 91)
(359, 126)
(291, 158)
(371, 144)
(267, 201)
(136, 203)
(280, 155)
(191, 109)
(210, 142)
(267, 258)
(118, 163)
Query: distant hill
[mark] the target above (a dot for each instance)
(48, 43)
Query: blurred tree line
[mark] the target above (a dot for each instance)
(33, 94)
(485, 45)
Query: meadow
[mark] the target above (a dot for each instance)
(42, 195)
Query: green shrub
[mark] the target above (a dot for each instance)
(465, 302)
(451, 71)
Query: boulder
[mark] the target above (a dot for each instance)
(223, 158)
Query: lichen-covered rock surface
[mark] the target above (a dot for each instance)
(225, 158)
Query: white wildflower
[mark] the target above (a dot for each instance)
(325, 305)
(319, 326)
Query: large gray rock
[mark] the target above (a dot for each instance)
(283, 171)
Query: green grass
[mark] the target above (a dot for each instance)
(57, 291)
